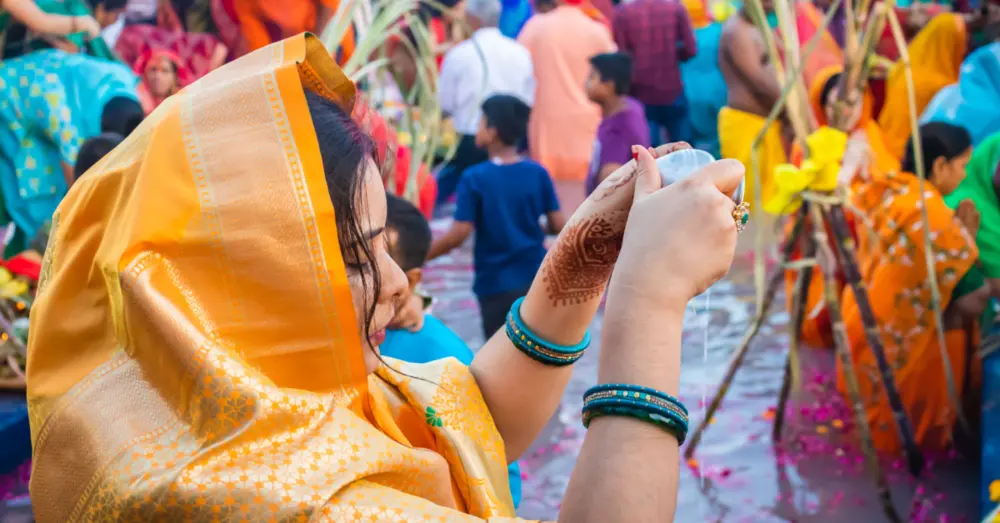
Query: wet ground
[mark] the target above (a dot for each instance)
(738, 474)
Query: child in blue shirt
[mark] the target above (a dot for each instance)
(413, 335)
(503, 200)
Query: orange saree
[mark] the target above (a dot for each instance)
(266, 21)
(893, 267)
(936, 55)
(194, 352)
(816, 328)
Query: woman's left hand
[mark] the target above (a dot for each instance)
(580, 263)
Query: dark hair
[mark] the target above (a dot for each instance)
(121, 115)
(109, 5)
(344, 147)
(827, 88)
(937, 140)
(539, 4)
(413, 233)
(615, 67)
(508, 115)
(93, 149)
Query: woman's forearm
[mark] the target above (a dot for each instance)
(627, 469)
(522, 393)
(29, 14)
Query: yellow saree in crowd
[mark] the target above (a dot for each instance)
(936, 55)
(194, 352)
(894, 269)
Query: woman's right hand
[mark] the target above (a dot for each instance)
(680, 239)
(87, 24)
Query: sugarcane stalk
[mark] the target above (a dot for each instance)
(799, 112)
(856, 68)
(826, 262)
(798, 299)
(756, 12)
(737, 358)
(852, 276)
(760, 241)
(918, 156)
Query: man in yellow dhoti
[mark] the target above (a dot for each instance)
(205, 340)
(752, 90)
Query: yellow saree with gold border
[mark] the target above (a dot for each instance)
(194, 352)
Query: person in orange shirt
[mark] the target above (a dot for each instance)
(563, 121)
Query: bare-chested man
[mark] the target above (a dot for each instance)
(753, 90)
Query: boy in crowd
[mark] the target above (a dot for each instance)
(503, 200)
(623, 121)
(414, 335)
(92, 150)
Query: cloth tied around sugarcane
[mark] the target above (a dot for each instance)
(819, 173)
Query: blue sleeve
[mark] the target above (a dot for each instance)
(467, 199)
(550, 202)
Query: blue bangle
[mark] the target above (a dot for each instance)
(651, 408)
(632, 391)
(538, 349)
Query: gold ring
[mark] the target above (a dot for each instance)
(741, 215)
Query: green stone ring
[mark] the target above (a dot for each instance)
(741, 215)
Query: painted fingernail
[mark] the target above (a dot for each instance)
(635, 156)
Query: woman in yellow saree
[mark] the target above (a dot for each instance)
(205, 337)
(816, 329)
(894, 269)
(936, 55)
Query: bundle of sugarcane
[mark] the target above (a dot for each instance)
(823, 208)
(420, 124)
(16, 296)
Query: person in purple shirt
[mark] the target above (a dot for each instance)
(623, 120)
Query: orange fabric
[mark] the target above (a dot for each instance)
(808, 21)
(195, 353)
(935, 58)
(697, 12)
(267, 21)
(894, 269)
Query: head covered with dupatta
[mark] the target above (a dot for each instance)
(195, 351)
(825, 90)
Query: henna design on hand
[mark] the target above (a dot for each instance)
(613, 183)
(580, 265)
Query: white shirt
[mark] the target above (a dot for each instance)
(111, 33)
(464, 81)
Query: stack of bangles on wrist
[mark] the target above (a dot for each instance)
(537, 348)
(642, 403)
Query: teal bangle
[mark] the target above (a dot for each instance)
(667, 424)
(538, 349)
(632, 391)
(520, 329)
(651, 408)
(642, 403)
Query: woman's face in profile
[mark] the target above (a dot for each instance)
(360, 273)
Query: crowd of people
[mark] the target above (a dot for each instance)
(169, 153)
